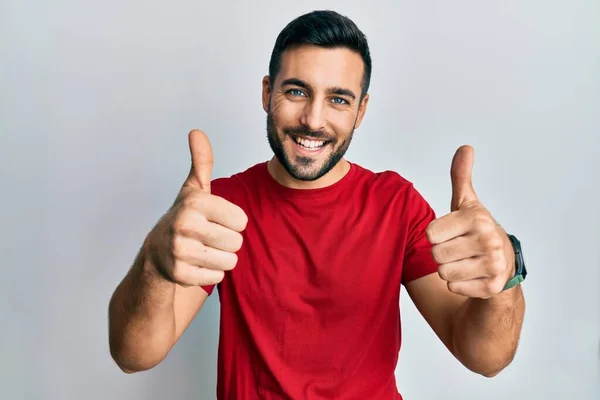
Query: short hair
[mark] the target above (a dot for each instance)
(327, 29)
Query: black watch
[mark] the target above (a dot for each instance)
(520, 270)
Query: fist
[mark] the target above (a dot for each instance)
(474, 253)
(197, 239)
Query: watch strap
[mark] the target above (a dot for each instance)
(520, 271)
(514, 281)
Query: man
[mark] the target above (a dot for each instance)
(309, 251)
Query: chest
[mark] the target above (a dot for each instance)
(317, 263)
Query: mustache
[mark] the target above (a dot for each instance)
(304, 131)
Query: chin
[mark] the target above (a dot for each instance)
(307, 170)
(307, 167)
(304, 174)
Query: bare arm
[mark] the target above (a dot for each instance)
(191, 246)
(482, 334)
(486, 331)
(464, 302)
(147, 315)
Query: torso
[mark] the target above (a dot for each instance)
(311, 309)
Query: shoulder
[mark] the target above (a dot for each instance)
(386, 181)
(229, 187)
(391, 189)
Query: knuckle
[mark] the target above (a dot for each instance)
(218, 277)
(177, 247)
(229, 262)
(444, 273)
(237, 241)
(189, 221)
(454, 287)
(453, 275)
(493, 242)
(243, 219)
(201, 224)
(178, 273)
(435, 252)
(496, 264)
(237, 216)
(493, 286)
(180, 223)
(440, 253)
(430, 233)
(209, 277)
(482, 222)
(232, 262)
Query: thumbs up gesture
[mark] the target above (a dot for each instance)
(197, 239)
(474, 253)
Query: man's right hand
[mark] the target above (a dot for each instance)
(197, 239)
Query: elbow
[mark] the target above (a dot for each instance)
(487, 371)
(131, 359)
(132, 353)
(491, 373)
(118, 357)
(493, 369)
(487, 365)
(135, 354)
(130, 364)
(126, 370)
(130, 369)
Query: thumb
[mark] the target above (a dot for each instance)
(461, 175)
(202, 160)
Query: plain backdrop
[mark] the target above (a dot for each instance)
(97, 98)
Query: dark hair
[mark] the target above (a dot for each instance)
(326, 29)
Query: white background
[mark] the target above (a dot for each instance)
(97, 98)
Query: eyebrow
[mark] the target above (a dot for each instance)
(332, 90)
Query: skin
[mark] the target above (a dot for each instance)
(192, 245)
(317, 94)
(464, 303)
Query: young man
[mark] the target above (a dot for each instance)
(309, 251)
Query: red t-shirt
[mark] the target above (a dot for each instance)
(311, 310)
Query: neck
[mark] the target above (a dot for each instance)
(283, 177)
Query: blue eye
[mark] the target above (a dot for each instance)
(339, 100)
(296, 92)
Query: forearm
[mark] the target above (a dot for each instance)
(486, 331)
(141, 318)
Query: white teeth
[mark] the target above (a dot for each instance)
(310, 144)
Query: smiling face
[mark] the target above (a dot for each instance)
(312, 108)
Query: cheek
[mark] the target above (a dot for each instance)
(285, 111)
(341, 123)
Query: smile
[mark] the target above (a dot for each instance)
(309, 144)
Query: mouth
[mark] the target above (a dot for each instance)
(309, 145)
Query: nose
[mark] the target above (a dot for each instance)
(313, 115)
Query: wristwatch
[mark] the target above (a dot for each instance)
(520, 270)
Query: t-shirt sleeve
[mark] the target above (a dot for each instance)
(208, 289)
(418, 260)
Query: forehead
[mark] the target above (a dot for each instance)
(322, 67)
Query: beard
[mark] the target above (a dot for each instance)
(305, 168)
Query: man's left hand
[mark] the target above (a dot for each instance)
(475, 255)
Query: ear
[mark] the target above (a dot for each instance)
(362, 109)
(266, 92)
